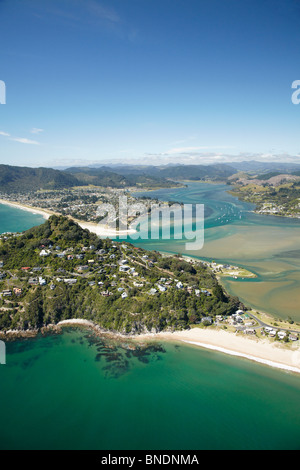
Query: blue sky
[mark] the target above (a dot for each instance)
(148, 81)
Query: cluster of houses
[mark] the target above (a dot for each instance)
(164, 284)
(240, 319)
(273, 333)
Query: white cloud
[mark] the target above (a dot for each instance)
(21, 140)
(25, 141)
(36, 131)
(188, 150)
(102, 12)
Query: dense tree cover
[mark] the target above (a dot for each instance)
(284, 197)
(176, 172)
(40, 305)
(109, 178)
(23, 180)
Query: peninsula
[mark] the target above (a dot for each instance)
(59, 274)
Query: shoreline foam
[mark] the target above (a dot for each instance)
(255, 350)
(34, 210)
(98, 229)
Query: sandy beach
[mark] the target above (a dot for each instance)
(252, 349)
(102, 231)
(261, 351)
(34, 210)
(98, 229)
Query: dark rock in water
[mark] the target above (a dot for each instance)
(128, 354)
(144, 360)
(98, 357)
(116, 369)
(112, 357)
(29, 362)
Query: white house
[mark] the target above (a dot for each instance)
(161, 288)
(45, 253)
(281, 334)
(42, 281)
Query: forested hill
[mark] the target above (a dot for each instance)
(58, 271)
(172, 172)
(109, 178)
(22, 179)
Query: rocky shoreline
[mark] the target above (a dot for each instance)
(15, 335)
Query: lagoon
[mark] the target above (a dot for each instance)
(269, 246)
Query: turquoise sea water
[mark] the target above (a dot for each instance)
(73, 392)
(76, 391)
(17, 220)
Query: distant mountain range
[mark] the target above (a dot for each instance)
(156, 173)
(262, 167)
(22, 179)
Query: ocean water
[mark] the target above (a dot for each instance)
(76, 391)
(17, 220)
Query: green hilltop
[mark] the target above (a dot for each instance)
(58, 271)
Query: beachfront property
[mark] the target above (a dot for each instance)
(281, 334)
(270, 331)
(293, 337)
(249, 331)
